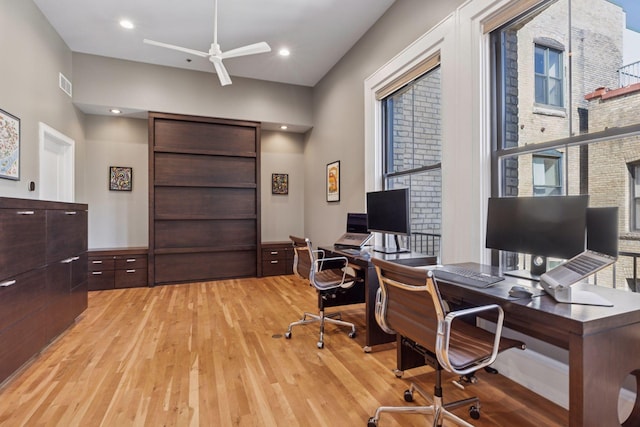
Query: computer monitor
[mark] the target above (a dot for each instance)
(357, 223)
(602, 230)
(552, 226)
(388, 212)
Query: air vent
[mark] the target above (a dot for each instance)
(65, 85)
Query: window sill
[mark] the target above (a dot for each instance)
(548, 110)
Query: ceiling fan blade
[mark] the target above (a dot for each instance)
(181, 49)
(250, 49)
(221, 71)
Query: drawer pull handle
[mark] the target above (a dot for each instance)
(131, 271)
(70, 260)
(7, 283)
(274, 252)
(131, 260)
(274, 262)
(96, 262)
(26, 212)
(71, 213)
(97, 273)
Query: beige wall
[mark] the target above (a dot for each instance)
(338, 119)
(32, 56)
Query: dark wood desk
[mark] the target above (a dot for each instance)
(361, 262)
(603, 342)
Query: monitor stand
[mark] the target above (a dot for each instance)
(396, 250)
(538, 268)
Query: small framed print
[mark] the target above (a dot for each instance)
(279, 183)
(120, 178)
(333, 181)
(10, 144)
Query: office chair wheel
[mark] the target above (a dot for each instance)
(287, 335)
(372, 422)
(352, 334)
(408, 396)
(320, 344)
(474, 413)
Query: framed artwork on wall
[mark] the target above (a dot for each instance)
(333, 181)
(9, 146)
(279, 183)
(120, 178)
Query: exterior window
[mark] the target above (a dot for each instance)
(548, 71)
(412, 155)
(635, 194)
(547, 177)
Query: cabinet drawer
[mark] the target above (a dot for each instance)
(21, 295)
(273, 254)
(101, 263)
(20, 342)
(131, 278)
(66, 233)
(131, 262)
(274, 267)
(101, 280)
(22, 241)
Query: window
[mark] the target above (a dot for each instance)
(547, 179)
(412, 154)
(548, 76)
(562, 124)
(634, 170)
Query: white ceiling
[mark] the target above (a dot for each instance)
(317, 32)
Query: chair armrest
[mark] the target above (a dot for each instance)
(444, 335)
(318, 265)
(380, 312)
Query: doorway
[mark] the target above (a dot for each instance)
(57, 165)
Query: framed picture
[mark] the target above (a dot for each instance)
(120, 178)
(333, 181)
(9, 146)
(279, 183)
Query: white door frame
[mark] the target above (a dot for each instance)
(57, 165)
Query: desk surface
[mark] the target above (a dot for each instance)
(542, 316)
(603, 342)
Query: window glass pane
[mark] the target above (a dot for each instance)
(541, 90)
(636, 186)
(425, 192)
(414, 124)
(539, 61)
(637, 215)
(555, 66)
(555, 92)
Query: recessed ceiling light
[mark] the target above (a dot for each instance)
(284, 52)
(115, 111)
(125, 23)
(284, 127)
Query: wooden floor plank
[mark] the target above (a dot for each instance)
(214, 353)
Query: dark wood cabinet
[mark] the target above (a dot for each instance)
(204, 200)
(117, 268)
(277, 258)
(43, 275)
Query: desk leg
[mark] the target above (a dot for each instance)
(598, 364)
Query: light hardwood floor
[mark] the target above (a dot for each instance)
(213, 354)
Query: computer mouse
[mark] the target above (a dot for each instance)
(520, 292)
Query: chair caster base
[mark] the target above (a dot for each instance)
(320, 344)
(352, 334)
(474, 412)
(372, 422)
(287, 335)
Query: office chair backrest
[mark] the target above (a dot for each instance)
(409, 303)
(302, 259)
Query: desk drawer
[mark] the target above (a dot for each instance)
(273, 254)
(21, 295)
(131, 278)
(131, 262)
(101, 263)
(101, 280)
(274, 267)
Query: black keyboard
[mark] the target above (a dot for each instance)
(463, 276)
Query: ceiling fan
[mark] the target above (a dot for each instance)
(215, 54)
